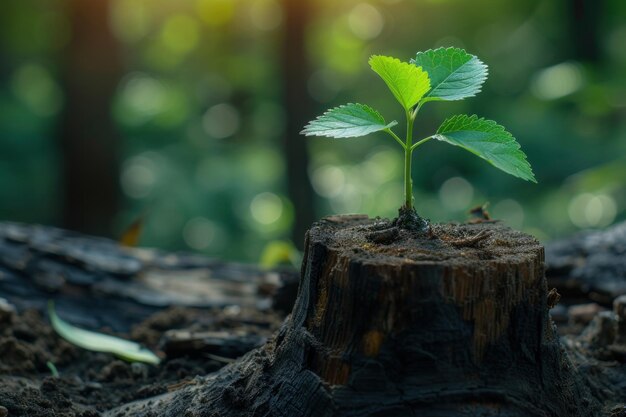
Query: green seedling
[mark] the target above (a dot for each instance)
(53, 369)
(444, 74)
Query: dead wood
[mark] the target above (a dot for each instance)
(589, 264)
(97, 283)
(414, 327)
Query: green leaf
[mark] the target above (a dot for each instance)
(454, 74)
(347, 121)
(98, 342)
(407, 82)
(488, 140)
(280, 252)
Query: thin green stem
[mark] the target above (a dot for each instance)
(417, 108)
(421, 142)
(393, 135)
(408, 151)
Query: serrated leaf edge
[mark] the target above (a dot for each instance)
(482, 81)
(397, 60)
(384, 124)
(493, 126)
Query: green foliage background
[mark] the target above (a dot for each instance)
(201, 115)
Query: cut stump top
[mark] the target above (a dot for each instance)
(454, 244)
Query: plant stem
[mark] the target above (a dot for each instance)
(393, 135)
(421, 142)
(408, 152)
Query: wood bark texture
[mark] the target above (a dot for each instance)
(97, 283)
(441, 324)
(590, 264)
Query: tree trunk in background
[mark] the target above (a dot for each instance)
(87, 136)
(584, 28)
(297, 105)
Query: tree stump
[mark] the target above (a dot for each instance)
(388, 322)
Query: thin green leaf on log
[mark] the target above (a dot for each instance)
(98, 342)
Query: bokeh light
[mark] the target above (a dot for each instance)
(139, 176)
(456, 194)
(558, 81)
(365, 21)
(592, 210)
(328, 181)
(196, 113)
(511, 212)
(221, 121)
(37, 89)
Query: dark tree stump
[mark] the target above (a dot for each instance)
(451, 323)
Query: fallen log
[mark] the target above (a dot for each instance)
(97, 283)
(590, 264)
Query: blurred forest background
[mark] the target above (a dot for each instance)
(186, 113)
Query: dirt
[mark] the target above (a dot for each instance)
(457, 244)
(377, 330)
(89, 383)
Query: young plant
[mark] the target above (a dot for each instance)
(444, 74)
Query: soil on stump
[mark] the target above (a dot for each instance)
(451, 321)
